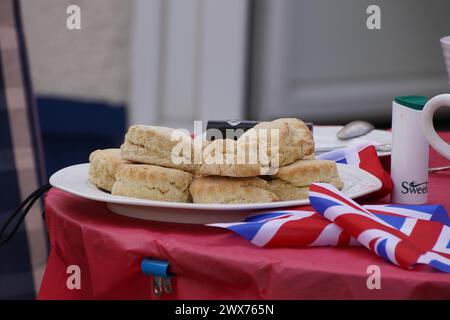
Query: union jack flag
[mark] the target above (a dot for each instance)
(362, 155)
(404, 237)
(294, 227)
(402, 234)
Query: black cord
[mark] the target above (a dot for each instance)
(22, 212)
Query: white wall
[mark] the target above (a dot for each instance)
(198, 56)
(317, 60)
(88, 64)
(172, 61)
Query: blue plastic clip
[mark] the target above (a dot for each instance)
(156, 268)
(159, 270)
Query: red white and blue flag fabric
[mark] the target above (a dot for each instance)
(364, 156)
(294, 227)
(402, 234)
(405, 235)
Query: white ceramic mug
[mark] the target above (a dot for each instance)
(442, 100)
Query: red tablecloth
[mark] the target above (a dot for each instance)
(211, 263)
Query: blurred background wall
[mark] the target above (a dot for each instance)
(189, 61)
(80, 77)
(91, 64)
(163, 62)
(317, 59)
(170, 62)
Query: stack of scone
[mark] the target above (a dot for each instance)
(144, 166)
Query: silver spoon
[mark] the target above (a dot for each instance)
(354, 129)
(437, 169)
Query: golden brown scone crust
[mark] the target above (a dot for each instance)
(225, 190)
(154, 145)
(152, 182)
(287, 191)
(224, 149)
(295, 142)
(103, 167)
(305, 172)
(295, 139)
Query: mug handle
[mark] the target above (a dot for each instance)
(442, 100)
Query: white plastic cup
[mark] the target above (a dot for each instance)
(409, 156)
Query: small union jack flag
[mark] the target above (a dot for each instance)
(404, 237)
(364, 156)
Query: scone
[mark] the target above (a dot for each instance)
(304, 172)
(225, 190)
(292, 181)
(152, 182)
(295, 140)
(311, 156)
(227, 157)
(286, 191)
(156, 145)
(103, 167)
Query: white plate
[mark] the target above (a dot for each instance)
(75, 180)
(325, 139)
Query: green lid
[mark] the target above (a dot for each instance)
(413, 102)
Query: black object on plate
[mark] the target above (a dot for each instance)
(238, 127)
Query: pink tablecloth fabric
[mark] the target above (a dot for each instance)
(211, 263)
